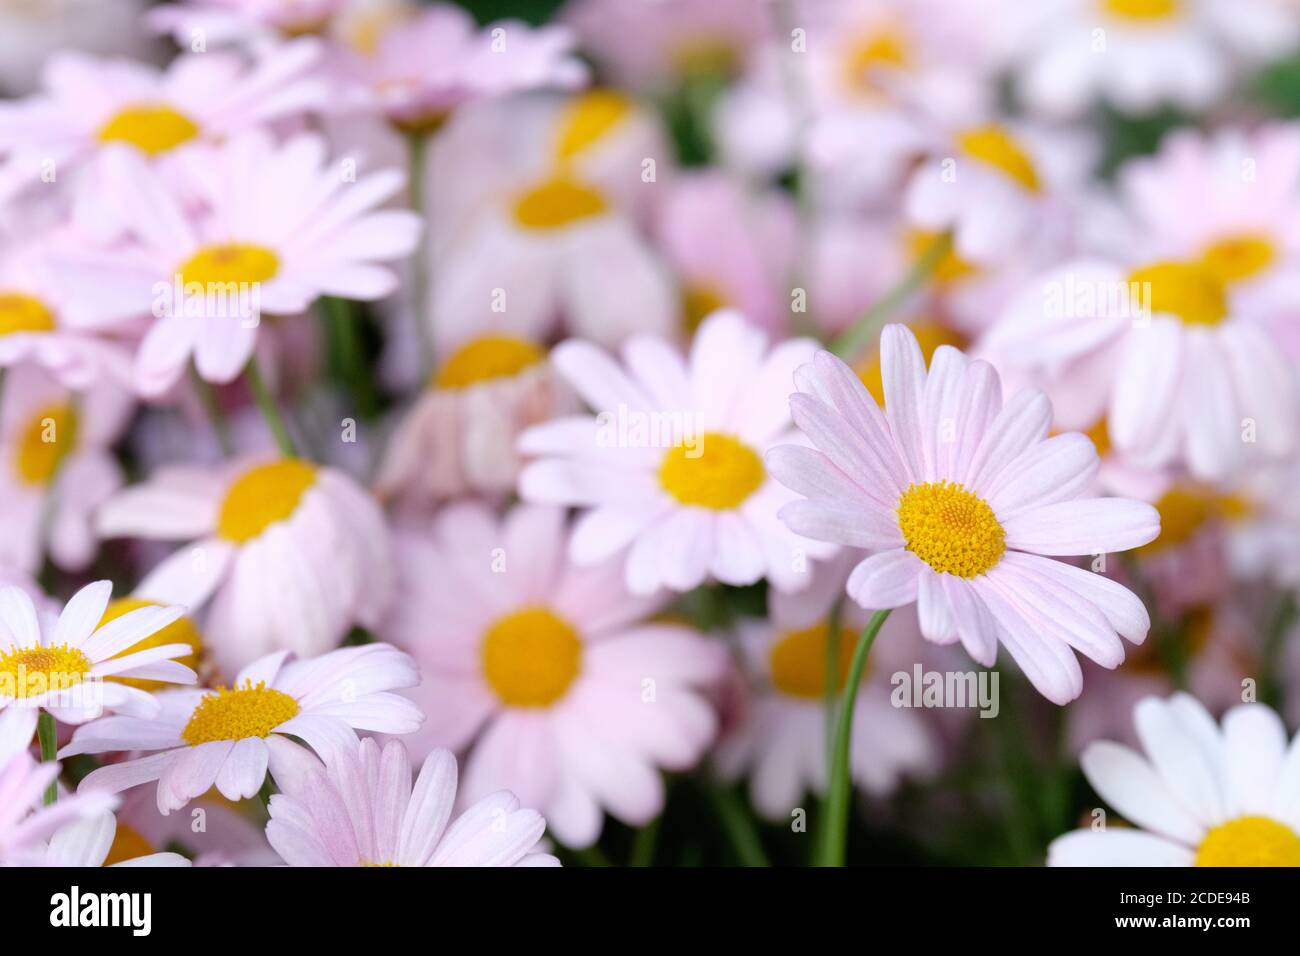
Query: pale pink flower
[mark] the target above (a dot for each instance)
(670, 467)
(965, 501)
(87, 842)
(548, 671)
(291, 554)
(226, 737)
(30, 33)
(360, 809)
(252, 22)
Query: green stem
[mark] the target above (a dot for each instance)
(739, 826)
(417, 153)
(643, 845)
(832, 680)
(855, 339)
(343, 326)
(270, 411)
(49, 747)
(208, 397)
(836, 827)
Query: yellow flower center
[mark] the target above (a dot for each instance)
(23, 313)
(150, 128)
(994, 146)
(700, 300)
(49, 437)
(798, 660)
(235, 714)
(128, 843)
(262, 496)
(883, 49)
(1184, 289)
(951, 529)
(32, 671)
(1100, 435)
(1238, 257)
(1250, 841)
(1142, 11)
(1186, 509)
(714, 471)
(929, 335)
(180, 631)
(488, 357)
(530, 657)
(587, 119)
(229, 263)
(557, 202)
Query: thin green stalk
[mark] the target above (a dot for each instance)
(417, 153)
(832, 684)
(343, 326)
(270, 411)
(855, 339)
(644, 843)
(739, 826)
(49, 748)
(208, 398)
(835, 829)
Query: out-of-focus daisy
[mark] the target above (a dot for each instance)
(292, 554)
(90, 842)
(270, 241)
(1136, 54)
(781, 740)
(1202, 794)
(359, 809)
(670, 467)
(60, 666)
(182, 631)
(214, 832)
(225, 737)
(56, 466)
(30, 33)
(547, 670)
(89, 103)
(965, 501)
(1179, 376)
(256, 23)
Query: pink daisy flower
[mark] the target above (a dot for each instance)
(359, 809)
(89, 842)
(291, 554)
(965, 501)
(60, 665)
(546, 671)
(225, 737)
(670, 467)
(254, 22)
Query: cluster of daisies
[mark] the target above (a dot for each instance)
(434, 442)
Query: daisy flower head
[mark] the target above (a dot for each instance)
(225, 737)
(92, 841)
(548, 671)
(291, 554)
(252, 23)
(360, 809)
(89, 104)
(964, 502)
(73, 666)
(279, 226)
(669, 470)
(56, 466)
(31, 33)
(1201, 793)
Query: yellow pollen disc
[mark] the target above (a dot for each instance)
(180, 631)
(700, 300)
(530, 657)
(486, 358)
(1100, 435)
(798, 660)
(32, 671)
(1238, 258)
(885, 49)
(1186, 509)
(262, 496)
(556, 203)
(587, 119)
(1142, 11)
(128, 843)
(150, 128)
(951, 529)
(1250, 841)
(994, 146)
(230, 262)
(248, 711)
(49, 437)
(714, 471)
(23, 313)
(929, 335)
(1184, 289)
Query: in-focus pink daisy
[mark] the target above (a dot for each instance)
(225, 737)
(60, 665)
(89, 103)
(56, 466)
(360, 809)
(280, 225)
(670, 467)
(548, 671)
(90, 842)
(966, 502)
(292, 554)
